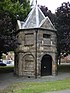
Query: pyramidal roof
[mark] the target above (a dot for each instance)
(36, 19)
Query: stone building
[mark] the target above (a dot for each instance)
(37, 53)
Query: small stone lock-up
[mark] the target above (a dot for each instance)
(36, 55)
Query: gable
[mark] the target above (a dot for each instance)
(46, 23)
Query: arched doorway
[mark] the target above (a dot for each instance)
(46, 65)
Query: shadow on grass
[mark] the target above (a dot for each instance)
(6, 69)
(63, 68)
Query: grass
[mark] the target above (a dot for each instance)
(6, 69)
(63, 68)
(38, 87)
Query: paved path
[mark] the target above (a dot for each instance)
(8, 79)
(62, 91)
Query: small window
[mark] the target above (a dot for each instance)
(46, 35)
(46, 39)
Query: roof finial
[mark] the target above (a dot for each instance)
(36, 2)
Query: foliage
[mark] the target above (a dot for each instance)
(7, 29)
(48, 13)
(63, 27)
(15, 8)
(8, 15)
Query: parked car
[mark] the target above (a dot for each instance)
(2, 64)
(10, 63)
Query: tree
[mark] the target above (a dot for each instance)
(8, 15)
(63, 27)
(48, 13)
(7, 32)
(15, 8)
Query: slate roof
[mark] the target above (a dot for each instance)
(36, 19)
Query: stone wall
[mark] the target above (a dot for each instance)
(26, 51)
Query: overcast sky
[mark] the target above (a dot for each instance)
(51, 4)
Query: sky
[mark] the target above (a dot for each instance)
(51, 4)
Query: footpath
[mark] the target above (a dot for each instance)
(62, 91)
(7, 79)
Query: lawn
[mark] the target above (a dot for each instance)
(6, 69)
(63, 68)
(38, 87)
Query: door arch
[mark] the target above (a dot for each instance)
(46, 65)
